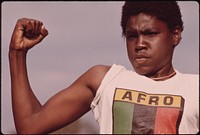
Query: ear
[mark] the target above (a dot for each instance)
(177, 35)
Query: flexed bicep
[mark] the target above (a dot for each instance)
(69, 104)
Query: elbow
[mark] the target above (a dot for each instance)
(27, 126)
(24, 131)
(27, 130)
(32, 129)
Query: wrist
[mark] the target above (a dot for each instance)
(17, 53)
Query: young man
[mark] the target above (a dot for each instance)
(147, 100)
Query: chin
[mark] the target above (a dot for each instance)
(143, 71)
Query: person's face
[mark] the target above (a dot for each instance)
(150, 44)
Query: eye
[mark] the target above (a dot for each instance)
(131, 35)
(150, 33)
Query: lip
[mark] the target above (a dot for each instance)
(141, 58)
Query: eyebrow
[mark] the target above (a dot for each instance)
(148, 29)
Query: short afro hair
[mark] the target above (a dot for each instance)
(166, 11)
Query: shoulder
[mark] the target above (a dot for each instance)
(95, 75)
(98, 72)
(102, 71)
(189, 80)
(187, 76)
(99, 69)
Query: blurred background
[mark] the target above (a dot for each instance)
(81, 34)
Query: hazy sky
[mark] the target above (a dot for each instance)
(81, 34)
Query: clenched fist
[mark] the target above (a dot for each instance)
(27, 33)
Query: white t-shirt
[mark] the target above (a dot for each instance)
(133, 104)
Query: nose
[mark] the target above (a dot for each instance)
(140, 45)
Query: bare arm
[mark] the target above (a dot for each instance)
(22, 95)
(61, 109)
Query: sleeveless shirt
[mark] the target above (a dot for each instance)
(128, 103)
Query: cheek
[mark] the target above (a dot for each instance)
(162, 47)
(130, 51)
(162, 54)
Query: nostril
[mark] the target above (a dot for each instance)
(140, 47)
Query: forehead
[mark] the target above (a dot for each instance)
(143, 21)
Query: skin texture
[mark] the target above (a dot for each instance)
(61, 109)
(146, 37)
(150, 45)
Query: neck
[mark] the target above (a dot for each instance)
(162, 78)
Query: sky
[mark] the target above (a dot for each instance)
(81, 35)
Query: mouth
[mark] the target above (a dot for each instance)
(141, 58)
(141, 61)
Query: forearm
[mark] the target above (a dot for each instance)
(24, 102)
